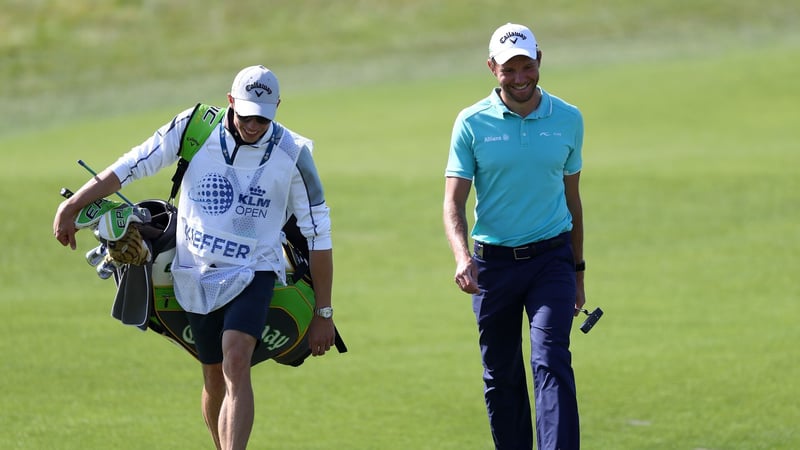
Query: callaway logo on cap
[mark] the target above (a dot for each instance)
(256, 92)
(512, 40)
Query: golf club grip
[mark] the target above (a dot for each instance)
(339, 342)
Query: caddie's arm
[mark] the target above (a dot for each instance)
(322, 333)
(100, 186)
(307, 204)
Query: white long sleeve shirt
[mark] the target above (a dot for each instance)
(233, 205)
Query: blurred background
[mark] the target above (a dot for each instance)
(690, 192)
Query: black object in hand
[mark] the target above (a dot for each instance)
(594, 316)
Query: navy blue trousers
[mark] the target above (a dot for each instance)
(542, 286)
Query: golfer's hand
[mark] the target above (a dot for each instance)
(321, 335)
(580, 294)
(466, 277)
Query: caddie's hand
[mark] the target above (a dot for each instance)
(64, 225)
(466, 277)
(321, 335)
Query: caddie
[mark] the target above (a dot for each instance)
(242, 184)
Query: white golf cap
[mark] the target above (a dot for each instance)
(512, 40)
(256, 92)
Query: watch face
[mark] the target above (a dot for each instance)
(325, 313)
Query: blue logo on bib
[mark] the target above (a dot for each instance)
(214, 194)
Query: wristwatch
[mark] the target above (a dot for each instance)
(325, 312)
(580, 267)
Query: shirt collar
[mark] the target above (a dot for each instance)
(544, 109)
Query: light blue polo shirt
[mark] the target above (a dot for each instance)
(517, 166)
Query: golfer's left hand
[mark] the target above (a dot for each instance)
(580, 295)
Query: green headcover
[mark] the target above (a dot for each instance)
(203, 121)
(91, 213)
(113, 224)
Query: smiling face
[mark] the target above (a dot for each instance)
(518, 78)
(250, 128)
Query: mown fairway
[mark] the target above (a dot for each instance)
(690, 191)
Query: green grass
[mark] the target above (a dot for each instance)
(689, 189)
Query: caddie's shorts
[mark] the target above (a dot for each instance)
(246, 313)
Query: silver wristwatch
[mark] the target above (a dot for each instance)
(325, 313)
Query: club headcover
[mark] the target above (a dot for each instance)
(113, 224)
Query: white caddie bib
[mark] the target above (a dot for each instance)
(229, 225)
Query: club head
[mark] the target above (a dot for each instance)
(590, 321)
(105, 270)
(96, 255)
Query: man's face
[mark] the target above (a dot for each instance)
(518, 78)
(250, 128)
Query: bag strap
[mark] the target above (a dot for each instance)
(203, 120)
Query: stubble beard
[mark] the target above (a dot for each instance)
(513, 95)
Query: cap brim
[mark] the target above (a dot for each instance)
(245, 108)
(503, 56)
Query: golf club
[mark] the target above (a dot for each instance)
(594, 316)
(86, 166)
(96, 255)
(105, 270)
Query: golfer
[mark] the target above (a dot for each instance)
(235, 196)
(521, 148)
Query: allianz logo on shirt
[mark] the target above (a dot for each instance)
(504, 137)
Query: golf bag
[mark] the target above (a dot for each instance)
(145, 296)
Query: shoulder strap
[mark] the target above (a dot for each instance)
(203, 120)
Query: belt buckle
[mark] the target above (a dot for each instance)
(521, 249)
(479, 250)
